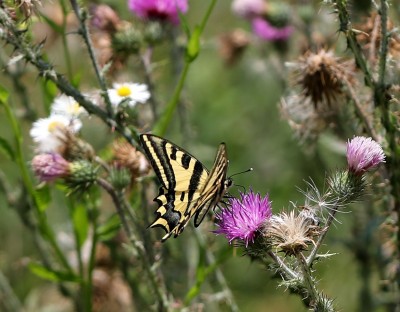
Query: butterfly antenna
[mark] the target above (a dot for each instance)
(242, 187)
(248, 170)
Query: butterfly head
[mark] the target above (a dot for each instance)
(228, 183)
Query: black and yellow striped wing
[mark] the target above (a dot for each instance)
(187, 188)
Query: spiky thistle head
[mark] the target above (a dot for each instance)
(290, 232)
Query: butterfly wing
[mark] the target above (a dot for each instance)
(182, 177)
(213, 189)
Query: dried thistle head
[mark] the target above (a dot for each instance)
(232, 45)
(302, 117)
(322, 76)
(127, 156)
(290, 232)
(28, 7)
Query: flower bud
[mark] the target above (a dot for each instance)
(49, 167)
(83, 176)
(363, 154)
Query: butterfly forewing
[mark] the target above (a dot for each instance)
(187, 188)
(214, 188)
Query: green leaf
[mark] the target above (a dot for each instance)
(109, 229)
(52, 275)
(193, 46)
(3, 95)
(81, 223)
(76, 80)
(43, 197)
(57, 28)
(6, 149)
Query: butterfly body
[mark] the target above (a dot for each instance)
(187, 188)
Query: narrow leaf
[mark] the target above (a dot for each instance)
(3, 95)
(43, 197)
(6, 149)
(52, 275)
(109, 229)
(57, 28)
(81, 223)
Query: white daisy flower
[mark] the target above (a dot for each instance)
(67, 106)
(49, 133)
(132, 92)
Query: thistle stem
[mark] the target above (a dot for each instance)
(313, 253)
(84, 32)
(308, 281)
(156, 282)
(288, 271)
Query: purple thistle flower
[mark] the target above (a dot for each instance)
(363, 154)
(49, 167)
(158, 9)
(264, 30)
(243, 217)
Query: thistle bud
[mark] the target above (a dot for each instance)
(120, 178)
(83, 176)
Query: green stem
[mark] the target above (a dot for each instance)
(346, 28)
(92, 259)
(64, 40)
(290, 274)
(308, 281)
(9, 301)
(78, 246)
(161, 126)
(389, 123)
(155, 281)
(82, 16)
(26, 178)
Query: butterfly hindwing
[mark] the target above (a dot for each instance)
(187, 187)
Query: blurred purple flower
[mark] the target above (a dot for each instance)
(158, 9)
(248, 8)
(363, 154)
(243, 217)
(263, 29)
(49, 167)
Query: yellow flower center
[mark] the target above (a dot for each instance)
(124, 91)
(74, 108)
(54, 125)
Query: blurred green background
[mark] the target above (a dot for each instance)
(237, 105)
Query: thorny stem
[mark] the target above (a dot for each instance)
(369, 128)
(84, 32)
(156, 282)
(382, 101)
(313, 253)
(46, 70)
(218, 273)
(288, 271)
(308, 281)
(346, 28)
(384, 44)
